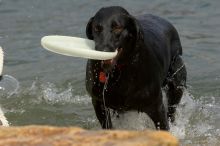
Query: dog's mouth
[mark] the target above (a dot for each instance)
(108, 65)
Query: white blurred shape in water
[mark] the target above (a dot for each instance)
(3, 120)
(8, 85)
(1, 59)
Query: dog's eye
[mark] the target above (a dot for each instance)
(98, 28)
(117, 29)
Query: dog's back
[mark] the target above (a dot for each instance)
(159, 34)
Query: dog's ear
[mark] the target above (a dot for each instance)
(89, 29)
(135, 28)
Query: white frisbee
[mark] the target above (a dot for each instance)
(74, 46)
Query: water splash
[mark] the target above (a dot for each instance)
(183, 114)
(51, 94)
(195, 121)
(132, 120)
(8, 86)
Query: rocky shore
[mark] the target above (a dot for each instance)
(74, 136)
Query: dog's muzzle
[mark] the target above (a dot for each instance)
(108, 65)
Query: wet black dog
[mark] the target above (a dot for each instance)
(148, 59)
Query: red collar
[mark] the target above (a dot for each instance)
(102, 77)
(102, 74)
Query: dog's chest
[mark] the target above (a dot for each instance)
(118, 90)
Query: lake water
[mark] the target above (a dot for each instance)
(51, 88)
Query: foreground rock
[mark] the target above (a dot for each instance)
(54, 136)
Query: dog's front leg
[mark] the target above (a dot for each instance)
(159, 117)
(158, 114)
(103, 114)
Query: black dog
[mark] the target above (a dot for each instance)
(148, 59)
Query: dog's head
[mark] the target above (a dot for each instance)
(113, 28)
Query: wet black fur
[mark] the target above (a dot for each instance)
(150, 61)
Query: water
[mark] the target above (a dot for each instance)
(51, 87)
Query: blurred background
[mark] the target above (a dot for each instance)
(50, 88)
